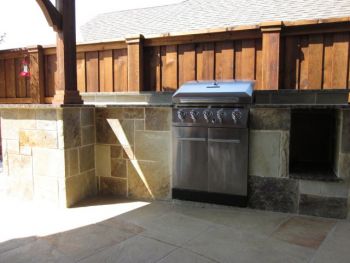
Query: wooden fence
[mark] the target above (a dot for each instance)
(303, 56)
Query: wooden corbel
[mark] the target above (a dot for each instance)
(52, 15)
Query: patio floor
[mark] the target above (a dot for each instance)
(102, 230)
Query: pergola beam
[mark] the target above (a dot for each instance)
(53, 17)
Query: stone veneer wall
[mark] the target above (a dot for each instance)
(48, 153)
(133, 151)
(270, 186)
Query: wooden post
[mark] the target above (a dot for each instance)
(62, 20)
(135, 63)
(36, 82)
(271, 37)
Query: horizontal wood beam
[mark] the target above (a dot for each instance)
(53, 17)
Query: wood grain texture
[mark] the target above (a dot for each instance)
(81, 72)
(21, 82)
(169, 68)
(224, 60)
(315, 61)
(92, 72)
(205, 54)
(36, 87)
(238, 59)
(258, 64)
(120, 58)
(135, 66)
(327, 61)
(248, 59)
(340, 60)
(10, 78)
(152, 69)
(50, 75)
(291, 63)
(2, 79)
(270, 60)
(187, 63)
(304, 63)
(106, 70)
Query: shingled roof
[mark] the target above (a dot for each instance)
(204, 14)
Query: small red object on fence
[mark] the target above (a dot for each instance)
(25, 68)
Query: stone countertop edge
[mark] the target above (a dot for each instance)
(303, 106)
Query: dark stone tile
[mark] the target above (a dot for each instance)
(293, 98)
(345, 146)
(113, 186)
(262, 98)
(270, 119)
(275, 194)
(332, 98)
(133, 113)
(158, 119)
(87, 116)
(302, 231)
(71, 127)
(104, 132)
(87, 158)
(116, 152)
(332, 207)
(118, 168)
(109, 113)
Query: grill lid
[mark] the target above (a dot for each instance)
(212, 92)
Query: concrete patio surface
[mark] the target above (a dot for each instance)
(105, 230)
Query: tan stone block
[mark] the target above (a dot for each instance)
(104, 132)
(158, 119)
(46, 119)
(46, 189)
(20, 165)
(72, 162)
(48, 162)
(113, 186)
(60, 135)
(25, 150)
(88, 135)
(133, 113)
(9, 129)
(20, 187)
(87, 158)
(71, 127)
(148, 180)
(116, 152)
(152, 145)
(139, 125)
(38, 138)
(80, 187)
(118, 168)
(26, 118)
(128, 152)
(114, 131)
(112, 113)
(87, 116)
(12, 146)
(103, 160)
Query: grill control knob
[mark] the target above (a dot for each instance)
(220, 114)
(207, 114)
(181, 115)
(194, 115)
(236, 115)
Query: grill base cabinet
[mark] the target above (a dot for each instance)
(210, 146)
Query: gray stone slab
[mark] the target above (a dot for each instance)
(15, 243)
(87, 158)
(270, 119)
(275, 194)
(268, 153)
(133, 250)
(158, 119)
(344, 165)
(324, 189)
(103, 160)
(224, 244)
(332, 207)
(184, 256)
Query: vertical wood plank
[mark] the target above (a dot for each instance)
(291, 63)
(81, 74)
(304, 63)
(238, 59)
(205, 61)
(135, 63)
(258, 64)
(36, 82)
(248, 59)
(120, 57)
(92, 71)
(50, 75)
(106, 71)
(340, 60)
(10, 78)
(224, 60)
(315, 61)
(169, 68)
(152, 76)
(21, 82)
(187, 63)
(327, 61)
(2, 79)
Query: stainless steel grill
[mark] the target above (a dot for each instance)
(210, 141)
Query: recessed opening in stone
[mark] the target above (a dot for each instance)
(312, 142)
